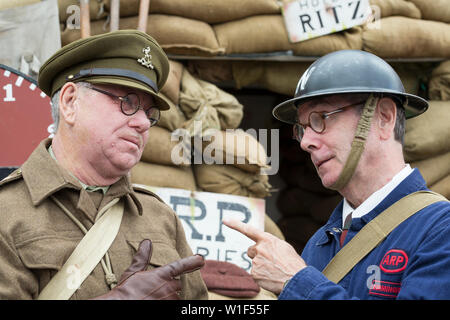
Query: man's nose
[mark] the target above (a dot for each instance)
(140, 121)
(309, 140)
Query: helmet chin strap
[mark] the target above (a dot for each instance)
(358, 144)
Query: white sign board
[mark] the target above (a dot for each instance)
(307, 19)
(201, 214)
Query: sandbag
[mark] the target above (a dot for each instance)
(442, 187)
(279, 77)
(171, 88)
(267, 33)
(205, 102)
(439, 84)
(435, 168)
(233, 147)
(211, 71)
(176, 35)
(438, 10)
(158, 175)
(160, 149)
(414, 76)
(428, 134)
(231, 180)
(210, 11)
(173, 118)
(400, 37)
(395, 8)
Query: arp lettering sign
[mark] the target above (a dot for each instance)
(201, 214)
(306, 19)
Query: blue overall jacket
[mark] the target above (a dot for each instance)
(413, 262)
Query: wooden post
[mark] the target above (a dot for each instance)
(85, 20)
(115, 13)
(144, 7)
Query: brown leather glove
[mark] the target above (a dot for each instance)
(155, 284)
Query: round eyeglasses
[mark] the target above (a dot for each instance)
(316, 121)
(130, 104)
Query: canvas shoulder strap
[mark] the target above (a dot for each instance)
(86, 255)
(376, 231)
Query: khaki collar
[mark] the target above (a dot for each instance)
(44, 177)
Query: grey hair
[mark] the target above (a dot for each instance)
(55, 105)
(399, 128)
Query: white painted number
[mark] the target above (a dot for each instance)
(9, 94)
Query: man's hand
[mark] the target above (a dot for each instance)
(155, 284)
(274, 260)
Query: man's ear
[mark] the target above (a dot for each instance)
(387, 115)
(67, 98)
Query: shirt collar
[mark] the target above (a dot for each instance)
(375, 198)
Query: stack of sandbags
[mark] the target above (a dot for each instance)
(427, 145)
(439, 84)
(416, 28)
(304, 204)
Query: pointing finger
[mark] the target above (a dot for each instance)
(246, 229)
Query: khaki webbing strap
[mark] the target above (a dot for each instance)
(376, 231)
(86, 255)
(358, 143)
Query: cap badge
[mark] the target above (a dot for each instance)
(146, 59)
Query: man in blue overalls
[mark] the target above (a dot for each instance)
(349, 114)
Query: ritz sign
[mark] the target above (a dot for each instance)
(201, 214)
(307, 19)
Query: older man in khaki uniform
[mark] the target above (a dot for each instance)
(105, 89)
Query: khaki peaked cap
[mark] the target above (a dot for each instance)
(128, 58)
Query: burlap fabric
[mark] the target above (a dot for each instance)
(435, 168)
(173, 118)
(414, 76)
(205, 102)
(389, 8)
(279, 77)
(160, 149)
(176, 35)
(210, 11)
(442, 187)
(400, 37)
(212, 71)
(428, 135)
(171, 88)
(158, 175)
(439, 84)
(267, 33)
(231, 180)
(438, 10)
(234, 147)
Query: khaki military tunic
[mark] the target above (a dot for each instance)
(37, 237)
